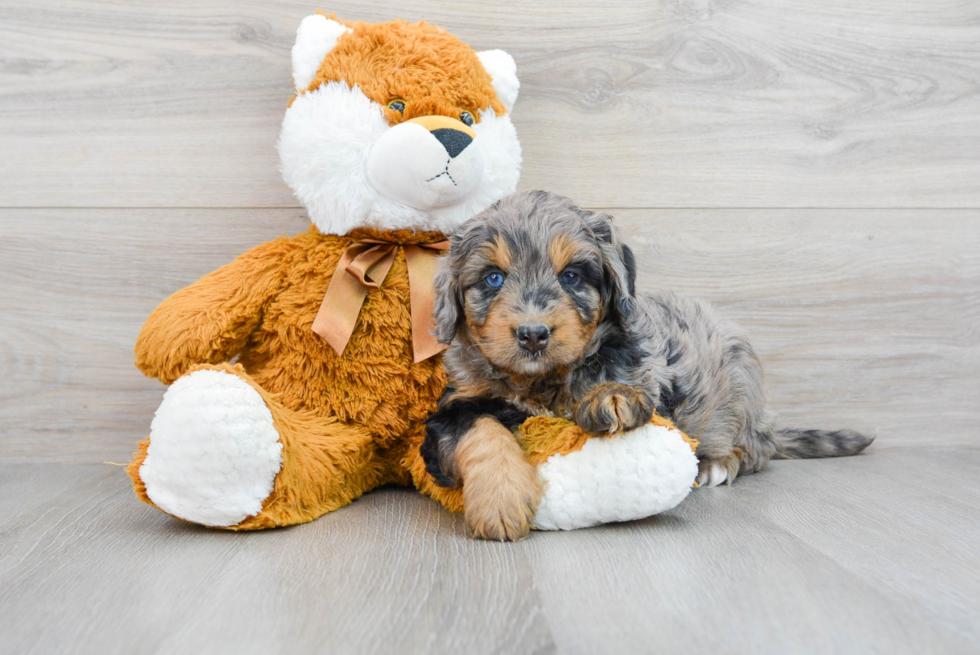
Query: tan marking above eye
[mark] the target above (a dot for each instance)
(500, 255)
(494, 253)
(561, 250)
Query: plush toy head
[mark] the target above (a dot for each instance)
(397, 126)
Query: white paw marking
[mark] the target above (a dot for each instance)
(214, 452)
(714, 476)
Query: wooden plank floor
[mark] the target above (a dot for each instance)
(877, 553)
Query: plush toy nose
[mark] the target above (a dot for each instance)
(454, 135)
(453, 141)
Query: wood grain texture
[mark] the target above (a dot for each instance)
(94, 571)
(840, 556)
(864, 318)
(666, 103)
(877, 553)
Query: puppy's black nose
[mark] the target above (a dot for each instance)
(533, 337)
(454, 141)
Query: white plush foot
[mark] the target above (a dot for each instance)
(712, 474)
(214, 452)
(620, 478)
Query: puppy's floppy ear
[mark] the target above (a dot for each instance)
(449, 297)
(618, 262)
(450, 309)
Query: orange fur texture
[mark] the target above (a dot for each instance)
(433, 72)
(544, 436)
(348, 424)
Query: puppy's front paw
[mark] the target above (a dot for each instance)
(501, 511)
(501, 490)
(611, 407)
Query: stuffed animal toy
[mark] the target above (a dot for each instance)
(397, 133)
(602, 479)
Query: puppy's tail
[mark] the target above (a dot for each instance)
(792, 443)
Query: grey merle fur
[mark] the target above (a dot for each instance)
(699, 368)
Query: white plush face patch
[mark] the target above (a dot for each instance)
(350, 168)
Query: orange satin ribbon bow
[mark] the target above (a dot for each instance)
(363, 267)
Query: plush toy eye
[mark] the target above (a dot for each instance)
(467, 118)
(495, 280)
(397, 104)
(570, 278)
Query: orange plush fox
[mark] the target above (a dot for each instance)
(397, 133)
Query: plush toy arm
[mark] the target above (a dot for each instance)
(209, 321)
(590, 480)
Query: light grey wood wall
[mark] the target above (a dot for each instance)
(814, 168)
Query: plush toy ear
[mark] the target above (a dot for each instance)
(316, 36)
(503, 72)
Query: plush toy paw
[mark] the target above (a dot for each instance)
(611, 407)
(214, 452)
(604, 479)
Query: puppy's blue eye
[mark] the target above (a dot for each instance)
(495, 280)
(570, 277)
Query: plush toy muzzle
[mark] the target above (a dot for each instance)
(426, 163)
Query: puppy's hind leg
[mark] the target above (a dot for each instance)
(736, 438)
(723, 457)
(713, 472)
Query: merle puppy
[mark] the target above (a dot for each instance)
(537, 299)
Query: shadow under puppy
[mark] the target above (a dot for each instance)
(537, 297)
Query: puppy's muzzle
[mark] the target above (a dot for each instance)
(533, 337)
